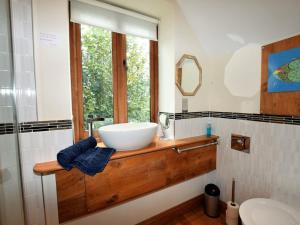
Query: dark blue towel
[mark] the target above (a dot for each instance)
(93, 160)
(66, 157)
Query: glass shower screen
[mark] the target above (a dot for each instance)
(11, 202)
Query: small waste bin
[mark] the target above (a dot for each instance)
(211, 200)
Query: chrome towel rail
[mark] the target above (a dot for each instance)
(179, 150)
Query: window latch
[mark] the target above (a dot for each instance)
(125, 64)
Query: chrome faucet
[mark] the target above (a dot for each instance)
(90, 120)
(164, 124)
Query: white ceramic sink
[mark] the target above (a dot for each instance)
(128, 136)
(261, 211)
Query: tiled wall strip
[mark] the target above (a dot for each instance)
(7, 128)
(294, 120)
(36, 126)
(187, 115)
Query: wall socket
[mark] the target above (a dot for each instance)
(185, 105)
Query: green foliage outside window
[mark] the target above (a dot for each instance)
(138, 79)
(98, 81)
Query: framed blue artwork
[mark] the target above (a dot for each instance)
(284, 71)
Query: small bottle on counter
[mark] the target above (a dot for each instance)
(208, 130)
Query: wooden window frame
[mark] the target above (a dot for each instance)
(119, 80)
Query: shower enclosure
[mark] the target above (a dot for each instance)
(11, 201)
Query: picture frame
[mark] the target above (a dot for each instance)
(278, 102)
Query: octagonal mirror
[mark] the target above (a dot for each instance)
(188, 75)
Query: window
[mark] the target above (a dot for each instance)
(114, 65)
(138, 79)
(113, 75)
(97, 79)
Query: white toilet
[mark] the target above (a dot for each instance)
(261, 211)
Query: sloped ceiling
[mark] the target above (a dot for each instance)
(224, 26)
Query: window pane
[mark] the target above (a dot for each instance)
(138, 78)
(96, 48)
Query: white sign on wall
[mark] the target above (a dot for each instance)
(49, 40)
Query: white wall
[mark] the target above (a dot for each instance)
(235, 80)
(186, 42)
(38, 147)
(233, 37)
(223, 90)
(231, 33)
(54, 103)
(190, 127)
(10, 183)
(271, 170)
(52, 59)
(6, 103)
(53, 63)
(23, 56)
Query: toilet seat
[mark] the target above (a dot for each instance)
(261, 211)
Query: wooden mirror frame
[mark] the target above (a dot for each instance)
(179, 75)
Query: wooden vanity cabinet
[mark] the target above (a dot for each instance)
(128, 178)
(71, 194)
(187, 165)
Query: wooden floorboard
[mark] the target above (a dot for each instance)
(197, 217)
(190, 212)
(167, 216)
(193, 217)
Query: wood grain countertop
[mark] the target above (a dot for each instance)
(157, 145)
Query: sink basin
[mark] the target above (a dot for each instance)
(128, 136)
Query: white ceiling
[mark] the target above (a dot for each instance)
(224, 26)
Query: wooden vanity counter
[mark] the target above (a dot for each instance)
(157, 145)
(130, 174)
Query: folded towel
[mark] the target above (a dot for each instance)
(65, 157)
(93, 160)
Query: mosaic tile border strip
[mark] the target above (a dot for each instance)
(293, 120)
(35, 126)
(38, 126)
(190, 115)
(7, 128)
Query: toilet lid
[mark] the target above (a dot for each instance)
(260, 211)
